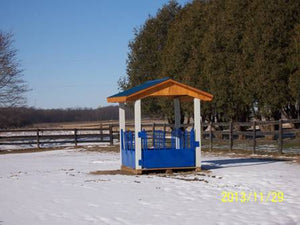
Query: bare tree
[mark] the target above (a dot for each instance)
(12, 85)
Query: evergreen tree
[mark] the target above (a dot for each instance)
(246, 53)
(145, 56)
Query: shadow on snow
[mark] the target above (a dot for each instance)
(236, 162)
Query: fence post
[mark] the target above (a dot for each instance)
(153, 129)
(230, 135)
(165, 128)
(280, 136)
(38, 138)
(210, 136)
(111, 137)
(75, 137)
(101, 132)
(254, 137)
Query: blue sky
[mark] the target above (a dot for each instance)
(73, 51)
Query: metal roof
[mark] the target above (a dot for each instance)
(139, 88)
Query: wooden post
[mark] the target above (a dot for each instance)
(165, 128)
(177, 120)
(153, 129)
(137, 129)
(75, 136)
(197, 125)
(210, 136)
(38, 138)
(230, 136)
(111, 137)
(101, 132)
(254, 138)
(121, 126)
(280, 136)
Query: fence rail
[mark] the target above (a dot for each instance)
(229, 132)
(39, 137)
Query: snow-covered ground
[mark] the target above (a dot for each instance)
(55, 187)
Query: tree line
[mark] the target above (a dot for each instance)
(245, 52)
(15, 117)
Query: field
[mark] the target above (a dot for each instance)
(62, 187)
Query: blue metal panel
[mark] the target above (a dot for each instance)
(159, 139)
(168, 158)
(128, 140)
(128, 158)
(127, 146)
(160, 156)
(143, 136)
(139, 88)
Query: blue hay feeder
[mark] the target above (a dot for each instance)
(160, 155)
(173, 150)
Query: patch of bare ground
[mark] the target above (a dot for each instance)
(114, 148)
(111, 172)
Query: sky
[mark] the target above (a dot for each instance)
(73, 51)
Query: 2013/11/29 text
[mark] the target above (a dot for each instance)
(243, 197)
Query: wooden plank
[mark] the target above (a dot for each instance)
(290, 130)
(92, 141)
(18, 143)
(291, 121)
(75, 137)
(248, 133)
(210, 137)
(280, 142)
(38, 138)
(171, 168)
(230, 136)
(19, 130)
(243, 124)
(101, 131)
(111, 138)
(68, 136)
(222, 124)
(50, 129)
(19, 137)
(263, 133)
(267, 122)
(131, 170)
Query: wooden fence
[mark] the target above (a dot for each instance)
(253, 131)
(212, 133)
(40, 137)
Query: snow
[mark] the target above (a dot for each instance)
(56, 187)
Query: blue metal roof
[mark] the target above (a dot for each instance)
(139, 87)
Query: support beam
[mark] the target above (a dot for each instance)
(177, 120)
(121, 126)
(137, 129)
(197, 127)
